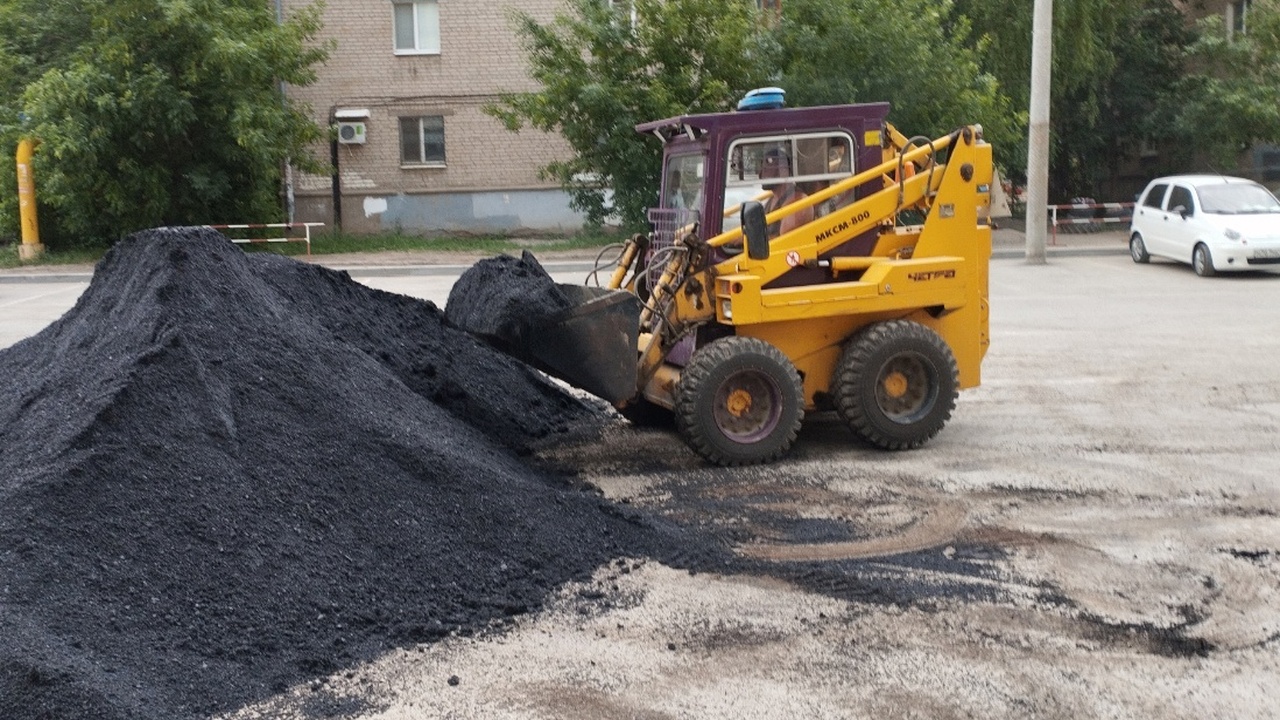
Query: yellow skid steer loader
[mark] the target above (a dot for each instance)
(799, 259)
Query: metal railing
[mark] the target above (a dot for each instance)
(1087, 214)
(305, 237)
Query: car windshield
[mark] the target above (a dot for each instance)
(1237, 199)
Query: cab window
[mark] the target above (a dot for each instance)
(682, 186)
(809, 161)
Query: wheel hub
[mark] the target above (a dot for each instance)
(747, 407)
(895, 384)
(738, 403)
(904, 388)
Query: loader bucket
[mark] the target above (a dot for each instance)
(585, 336)
(591, 344)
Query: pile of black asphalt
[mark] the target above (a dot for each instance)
(224, 474)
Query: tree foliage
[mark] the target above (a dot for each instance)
(1087, 36)
(1232, 100)
(1140, 99)
(601, 75)
(1137, 89)
(155, 112)
(915, 54)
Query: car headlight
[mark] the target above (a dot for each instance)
(1231, 234)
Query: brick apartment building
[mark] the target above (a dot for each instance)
(406, 84)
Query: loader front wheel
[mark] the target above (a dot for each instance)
(739, 401)
(896, 384)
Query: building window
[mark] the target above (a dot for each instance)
(627, 7)
(1270, 161)
(770, 11)
(1237, 17)
(417, 27)
(422, 140)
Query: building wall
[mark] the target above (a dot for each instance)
(489, 182)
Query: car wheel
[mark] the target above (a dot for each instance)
(739, 401)
(1202, 261)
(896, 384)
(1138, 249)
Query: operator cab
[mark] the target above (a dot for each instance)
(763, 152)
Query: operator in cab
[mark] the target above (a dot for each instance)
(775, 176)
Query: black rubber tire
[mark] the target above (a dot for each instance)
(1138, 250)
(1202, 261)
(896, 384)
(739, 401)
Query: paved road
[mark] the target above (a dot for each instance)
(31, 298)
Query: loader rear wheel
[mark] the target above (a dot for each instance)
(739, 401)
(896, 384)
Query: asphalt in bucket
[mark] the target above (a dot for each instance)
(222, 474)
(495, 298)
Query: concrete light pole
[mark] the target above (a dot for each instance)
(1038, 140)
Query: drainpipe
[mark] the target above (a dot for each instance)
(289, 199)
(336, 183)
(31, 249)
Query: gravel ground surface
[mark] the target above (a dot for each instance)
(1095, 534)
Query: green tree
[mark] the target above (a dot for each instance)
(155, 112)
(601, 75)
(1232, 100)
(915, 54)
(1140, 105)
(1116, 69)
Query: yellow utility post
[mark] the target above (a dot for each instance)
(31, 249)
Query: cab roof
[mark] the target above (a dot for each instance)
(854, 117)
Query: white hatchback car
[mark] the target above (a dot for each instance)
(1213, 222)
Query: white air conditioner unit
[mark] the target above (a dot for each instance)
(351, 133)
